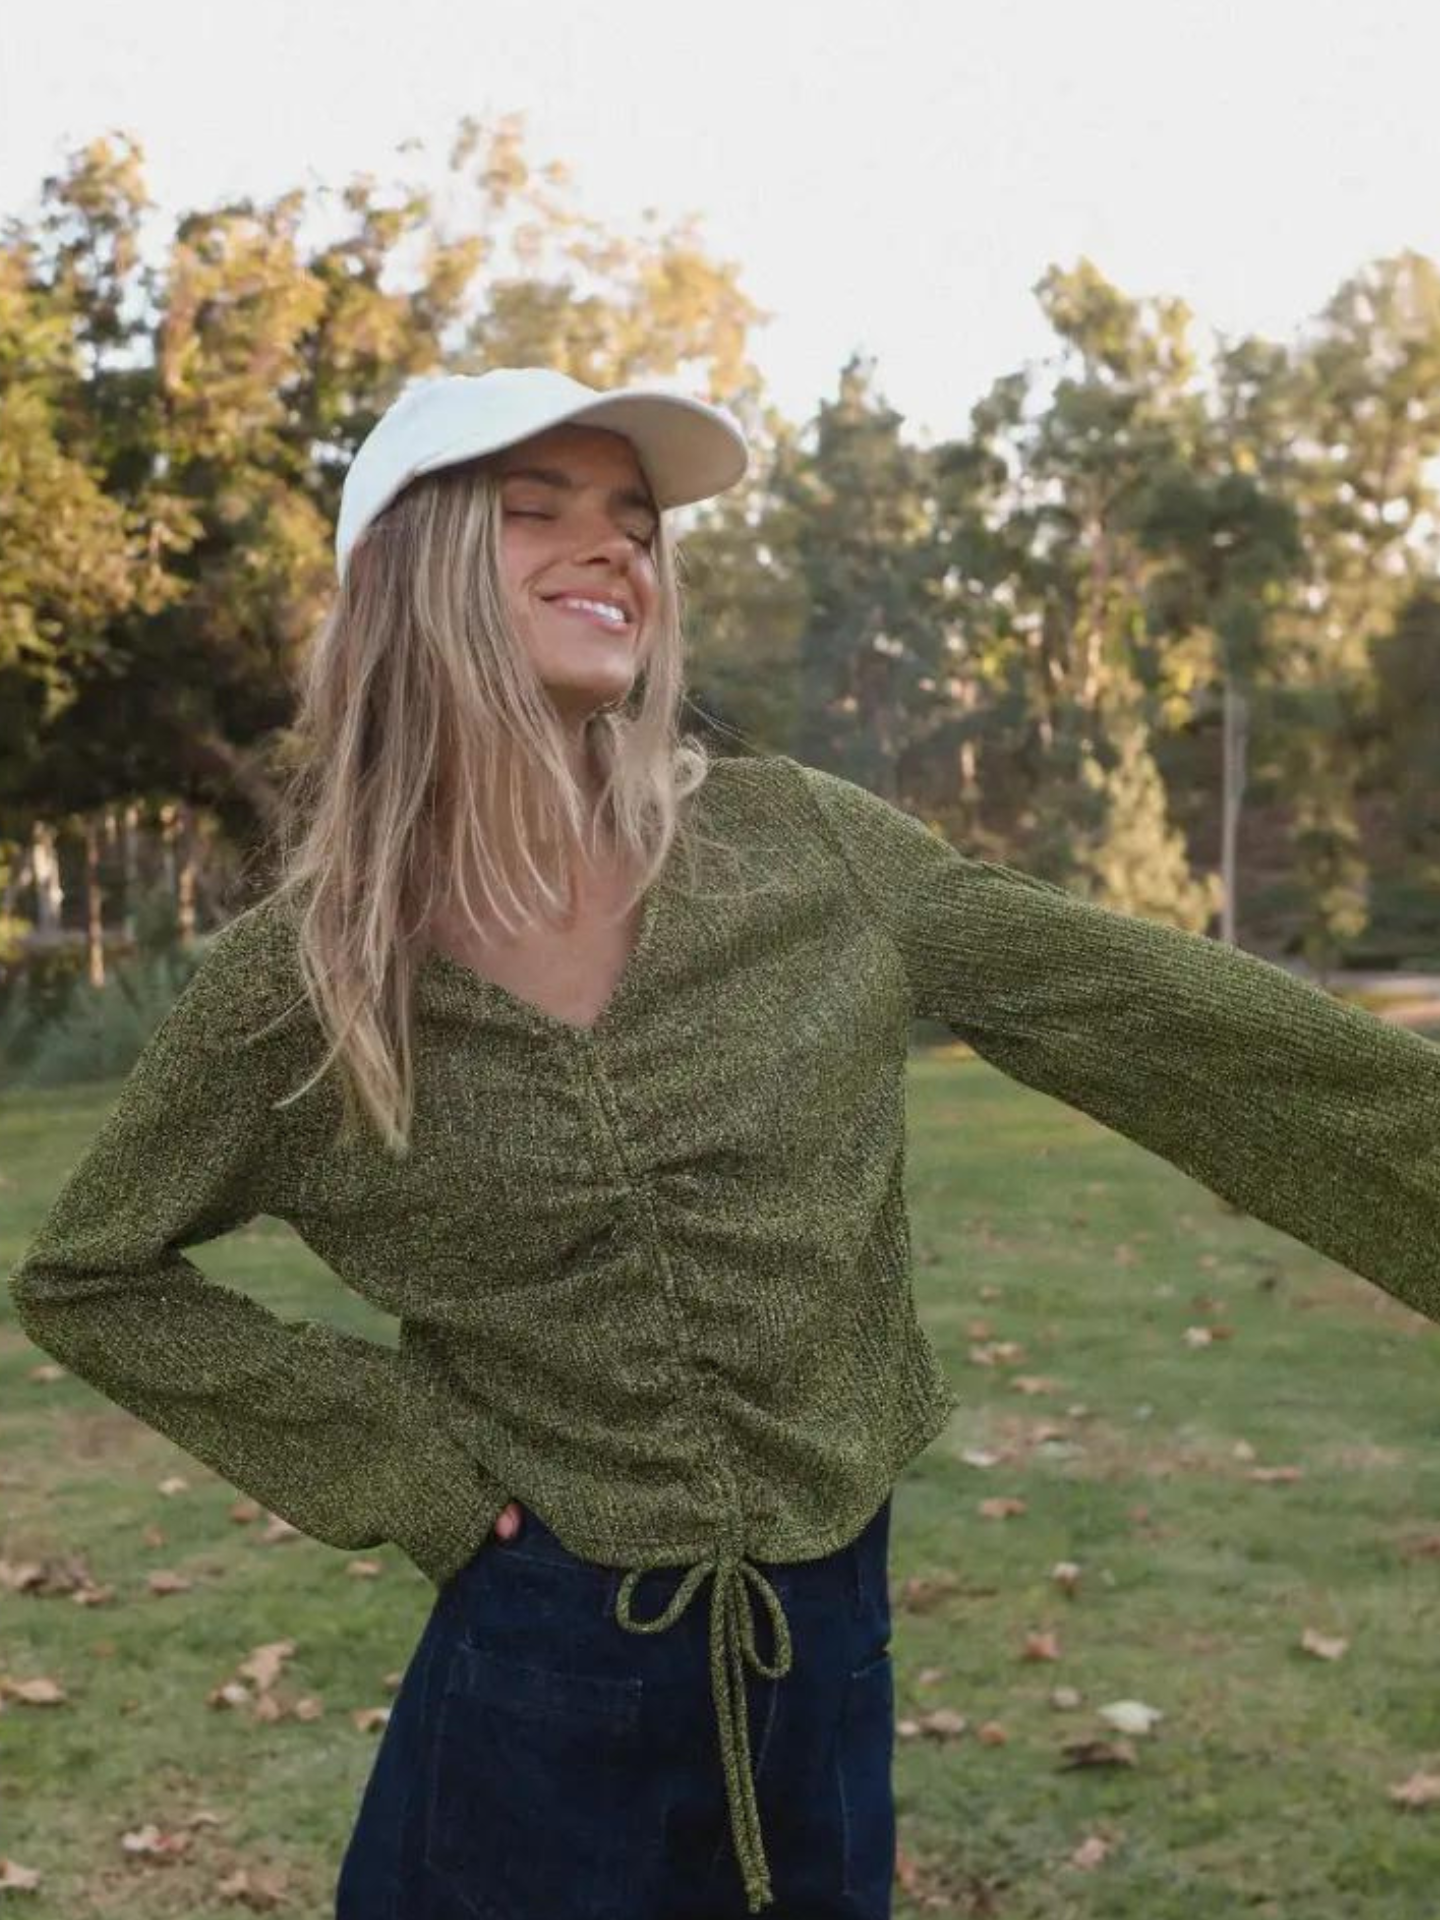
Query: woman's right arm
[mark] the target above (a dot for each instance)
(318, 1425)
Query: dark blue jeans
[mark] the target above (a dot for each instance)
(541, 1762)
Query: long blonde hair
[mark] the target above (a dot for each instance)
(421, 722)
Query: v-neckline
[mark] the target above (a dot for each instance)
(444, 966)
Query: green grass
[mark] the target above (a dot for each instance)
(1263, 1790)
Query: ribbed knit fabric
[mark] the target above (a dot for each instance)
(652, 1277)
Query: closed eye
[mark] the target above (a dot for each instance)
(642, 540)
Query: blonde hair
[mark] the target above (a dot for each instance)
(421, 722)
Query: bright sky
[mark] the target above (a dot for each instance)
(889, 177)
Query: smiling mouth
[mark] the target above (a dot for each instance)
(600, 620)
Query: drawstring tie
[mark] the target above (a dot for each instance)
(732, 1639)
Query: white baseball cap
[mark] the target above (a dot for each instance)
(688, 448)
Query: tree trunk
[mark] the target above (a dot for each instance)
(94, 907)
(1232, 782)
(45, 866)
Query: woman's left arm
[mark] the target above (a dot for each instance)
(1316, 1117)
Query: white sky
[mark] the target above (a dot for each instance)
(892, 177)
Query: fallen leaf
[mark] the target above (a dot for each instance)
(230, 1694)
(263, 1666)
(152, 1844)
(1066, 1575)
(166, 1580)
(365, 1569)
(1275, 1473)
(40, 1692)
(1064, 1699)
(1321, 1645)
(1097, 1753)
(1001, 1507)
(1034, 1383)
(176, 1483)
(369, 1718)
(980, 1457)
(1041, 1646)
(245, 1511)
(17, 1879)
(1130, 1716)
(922, 1590)
(943, 1723)
(990, 1733)
(278, 1529)
(1420, 1790)
(46, 1371)
(259, 1888)
(1092, 1851)
(153, 1536)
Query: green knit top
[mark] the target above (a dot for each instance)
(652, 1276)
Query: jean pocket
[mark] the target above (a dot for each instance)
(867, 1804)
(536, 1785)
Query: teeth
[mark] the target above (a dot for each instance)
(613, 614)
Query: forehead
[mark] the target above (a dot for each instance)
(586, 453)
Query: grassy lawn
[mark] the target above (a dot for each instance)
(1265, 1788)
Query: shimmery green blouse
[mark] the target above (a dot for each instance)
(652, 1277)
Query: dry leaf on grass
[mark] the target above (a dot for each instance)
(1066, 1575)
(17, 1879)
(365, 1569)
(922, 1591)
(368, 1719)
(1281, 1475)
(1000, 1508)
(1041, 1646)
(1092, 1852)
(1322, 1645)
(1420, 1790)
(166, 1580)
(175, 1483)
(259, 1888)
(1098, 1753)
(244, 1511)
(1130, 1716)
(150, 1843)
(264, 1664)
(943, 1723)
(46, 1371)
(39, 1692)
(990, 1733)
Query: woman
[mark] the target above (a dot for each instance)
(628, 1169)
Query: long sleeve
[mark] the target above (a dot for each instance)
(1318, 1118)
(321, 1426)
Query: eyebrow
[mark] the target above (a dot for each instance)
(554, 477)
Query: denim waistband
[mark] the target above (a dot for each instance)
(856, 1572)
